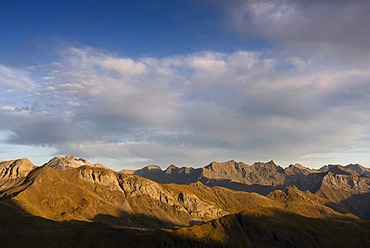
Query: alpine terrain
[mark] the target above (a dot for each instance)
(71, 202)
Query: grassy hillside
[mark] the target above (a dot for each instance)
(259, 227)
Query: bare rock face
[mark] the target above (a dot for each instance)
(187, 204)
(303, 178)
(101, 176)
(297, 169)
(230, 170)
(338, 169)
(15, 169)
(127, 172)
(241, 172)
(349, 193)
(343, 184)
(153, 172)
(69, 162)
(98, 194)
(346, 188)
(14, 172)
(198, 208)
(267, 174)
(173, 174)
(172, 169)
(361, 170)
(67, 188)
(260, 177)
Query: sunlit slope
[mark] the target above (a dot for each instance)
(258, 227)
(271, 227)
(99, 194)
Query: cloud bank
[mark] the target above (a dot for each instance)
(303, 100)
(191, 108)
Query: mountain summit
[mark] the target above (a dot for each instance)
(215, 196)
(69, 162)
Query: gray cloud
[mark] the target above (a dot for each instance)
(193, 109)
(314, 30)
(338, 22)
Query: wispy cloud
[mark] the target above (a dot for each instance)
(14, 79)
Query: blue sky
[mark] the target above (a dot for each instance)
(131, 83)
(130, 28)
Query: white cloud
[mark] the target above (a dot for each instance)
(124, 66)
(15, 79)
(193, 109)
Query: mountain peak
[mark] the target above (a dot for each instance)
(267, 165)
(271, 162)
(359, 169)
(152, 167)
(298, 169)
(171, 168)
(69, 162)
(221, 165)
(338, 169)
(14, 169)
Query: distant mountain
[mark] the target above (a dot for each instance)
(218, 205)
(347, 193)
(361, 170)
(338, 169)
(344, 187)
(259, 177)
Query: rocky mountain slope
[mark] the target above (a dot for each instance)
(97, 194)
(91, 193)
(13, 172)
(345, 188)
(260, 177)
(68, 162)
(202, 203)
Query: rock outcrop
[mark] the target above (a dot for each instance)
(14, 172)
(70, 162)
(346, 188)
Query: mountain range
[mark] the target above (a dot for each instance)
(228, 204)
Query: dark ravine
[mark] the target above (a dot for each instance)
(229, 204)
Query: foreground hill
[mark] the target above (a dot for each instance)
(271, 227)
(258, 227)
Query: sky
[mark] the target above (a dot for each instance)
(185, 82)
